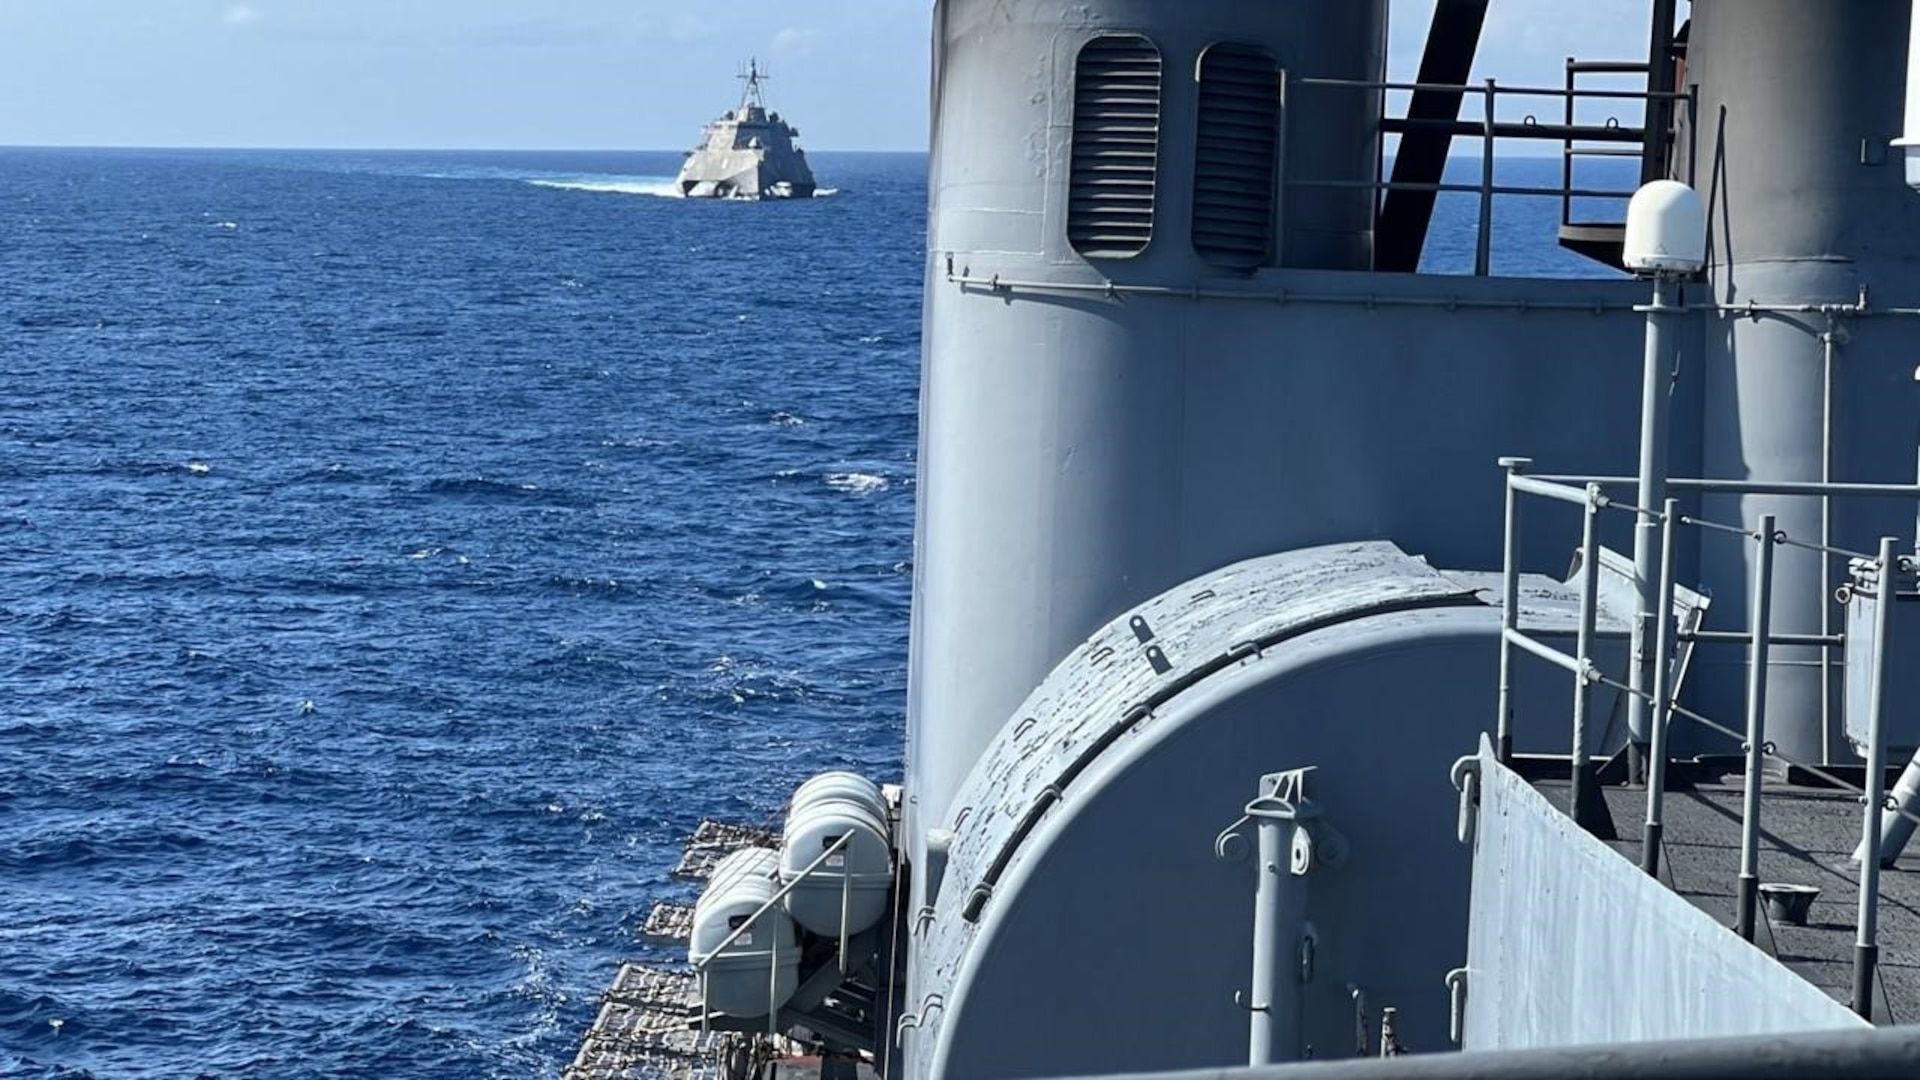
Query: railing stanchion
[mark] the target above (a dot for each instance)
(1661, 712)
(1581, 787)
(1483, 245)
(1866, 947)
(1509, 612)
(1749, 895)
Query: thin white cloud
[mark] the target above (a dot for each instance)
(242, 15)
(794, 43)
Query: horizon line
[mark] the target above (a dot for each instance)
(1469, 154)
(336, 149)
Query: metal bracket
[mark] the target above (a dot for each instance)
(1466, 780)
(1457, 1008)
(1315, 843)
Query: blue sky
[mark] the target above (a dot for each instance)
(538, 74)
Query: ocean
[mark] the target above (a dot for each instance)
(400, 553)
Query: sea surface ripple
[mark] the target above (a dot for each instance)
(399, 555)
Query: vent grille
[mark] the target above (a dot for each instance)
(1238, 154)
(1116, 138)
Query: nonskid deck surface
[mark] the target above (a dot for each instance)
(1807, 837)
(648, 1026)
(715, 840)
(645, 1030)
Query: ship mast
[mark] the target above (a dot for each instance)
(751, 98)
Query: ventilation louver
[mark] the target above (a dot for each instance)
(1238, 153)
(1116, 136)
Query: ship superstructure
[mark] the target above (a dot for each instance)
(748, 153)
(1264, 707)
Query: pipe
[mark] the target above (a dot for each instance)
(1662, 691)
(1279, 909)
(1749, 896)
(1861, 1053)
(1580, 789)
(1509, 612)
(1897, 821)
(1827, 344)
(1656, 382)
(1866, 947)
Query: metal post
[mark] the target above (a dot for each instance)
(1566, 156)
(1749, 895)
(1655, 399)
(1826, 539)
(1509, 612)
(1483, 246)
(1662, 692)
(1896, 827)
(1866, 947)
(1279, 906)
(1582, 779)
(846, 899)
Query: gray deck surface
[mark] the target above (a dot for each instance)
(1807, 837)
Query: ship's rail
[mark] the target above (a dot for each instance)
(1578, 140)
(1590, 495)
(1863, 1054)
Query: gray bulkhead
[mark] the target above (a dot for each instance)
(1110, 410)
(1082, 451)
(1808, 206)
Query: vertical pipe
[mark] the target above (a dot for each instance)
(1509, 611)
(1762, 628)
(1579, 790)
(1827, 733)
(1662, 692)
(1278, 907)
(1866, 947)
(1483, 245)
(1655, 401)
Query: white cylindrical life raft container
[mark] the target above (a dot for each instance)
(857, 877)
(759, 970)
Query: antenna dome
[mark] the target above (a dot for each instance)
(1666, 230)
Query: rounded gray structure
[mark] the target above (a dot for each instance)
(1807, 207)
(1039, 420)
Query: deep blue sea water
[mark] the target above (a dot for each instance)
(400, 554)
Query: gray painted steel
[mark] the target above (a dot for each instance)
(1797, 101)
(748, 153)
(1902, 716)
(1091, 696)
(1083, 840)
(1590, 950)
(1889, 1054)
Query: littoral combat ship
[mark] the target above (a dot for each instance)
(748, 153)
(1255, 717)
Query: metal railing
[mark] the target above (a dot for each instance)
(773, 951)
(1855, 1054)
(1575, 138)
(1589, 494)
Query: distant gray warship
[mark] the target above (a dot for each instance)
(748, 154)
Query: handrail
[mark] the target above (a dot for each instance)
(779, 895)
(1489, 129)
(1754, 743)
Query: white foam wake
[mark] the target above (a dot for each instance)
(659, 188)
